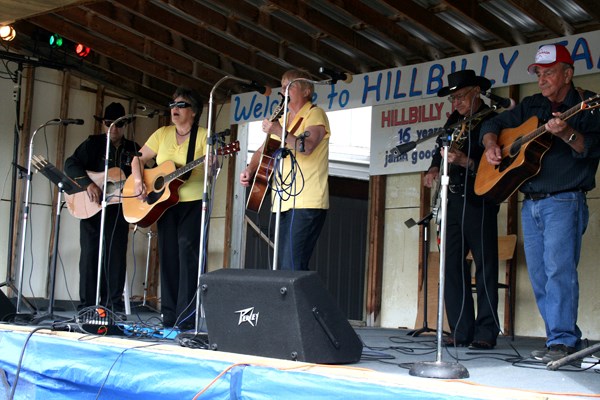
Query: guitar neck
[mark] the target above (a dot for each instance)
(542, 129)
(186, 168)
(226, 150)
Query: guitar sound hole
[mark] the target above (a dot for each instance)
(515, 148)
(159, 183)
(505, 163)
(155, 195)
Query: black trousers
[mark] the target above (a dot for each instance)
(114, 264)
(476, 230)
(178, 247)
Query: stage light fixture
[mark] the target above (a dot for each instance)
(7, 33)
(55, 40)
(82, 50)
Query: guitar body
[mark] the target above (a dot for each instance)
(520, 162)
(263, 174)
(159, 195)
(162, 189)
(79, 204)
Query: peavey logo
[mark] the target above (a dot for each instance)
(248, 315)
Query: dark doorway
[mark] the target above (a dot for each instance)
(340, 255)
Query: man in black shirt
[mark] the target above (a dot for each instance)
(471, 221)
(89, 157)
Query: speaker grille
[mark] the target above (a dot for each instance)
(279, 314)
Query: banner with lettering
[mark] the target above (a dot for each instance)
(410, 86)
(392, 124)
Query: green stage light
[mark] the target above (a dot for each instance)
(55, 40)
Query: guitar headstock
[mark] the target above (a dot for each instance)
(278, 111)
(591, 103)
(230, 148)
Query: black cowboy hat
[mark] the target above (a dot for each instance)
(112, 111)
(460, 79)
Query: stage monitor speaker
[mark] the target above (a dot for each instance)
(278, 314)
(7, 308)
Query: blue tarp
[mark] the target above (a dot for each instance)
(62, 368)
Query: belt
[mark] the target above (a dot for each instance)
(541, 196)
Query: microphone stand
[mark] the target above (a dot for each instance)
(128, 118)
(439, 368)
(68, 186)
(26, 210)
(204, 223)
(425, 254)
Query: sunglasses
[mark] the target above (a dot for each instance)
(179, 104)
(119, 124)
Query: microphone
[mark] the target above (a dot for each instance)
(262, 89)
(70, 121)
(224, 133)
(336, 75)
(504, 102)
(404, 148)
(301, 137)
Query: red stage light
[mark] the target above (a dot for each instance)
(82, 50)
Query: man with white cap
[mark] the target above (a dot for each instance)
(554, 214)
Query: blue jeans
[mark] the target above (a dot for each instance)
(299, 230)
(552, 232)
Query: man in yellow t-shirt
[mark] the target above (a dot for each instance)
(303, 185)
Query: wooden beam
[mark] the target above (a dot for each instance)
(128, 49)
(377, 189)
(389, 28)
(538, 12)
(590, 7)
(331, 29)
(301, 48)
(408, 9)
(472, 11)
(196, 40)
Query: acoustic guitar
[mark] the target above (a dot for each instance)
(522, 149)
(79, 204)
(262, 177)
(162, 189)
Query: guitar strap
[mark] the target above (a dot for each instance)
(298, 123)
(191, 150)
